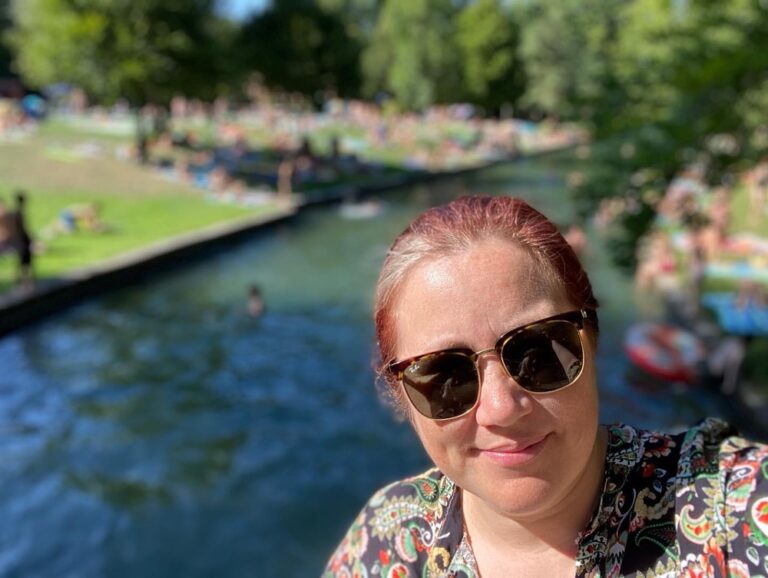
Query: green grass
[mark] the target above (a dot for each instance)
(63, 128)
(742, 219)
(137, 204)
(132, 223)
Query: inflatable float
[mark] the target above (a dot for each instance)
(664, 351)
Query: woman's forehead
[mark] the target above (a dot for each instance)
(472, 296)
(486, 265)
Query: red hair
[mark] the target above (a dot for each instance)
(454, 227)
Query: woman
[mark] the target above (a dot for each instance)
(487, 331)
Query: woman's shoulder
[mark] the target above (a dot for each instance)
(399, 527)
(710, 451)
(710, 446)
(714, 448)
(679, 503)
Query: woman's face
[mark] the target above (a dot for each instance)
(522, 454)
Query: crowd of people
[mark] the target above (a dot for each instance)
(269, 147)
(245, 153)
(711, 274)
(693, 233)
(281, 150)
(264, 152)
(438, 138)
(18, 117)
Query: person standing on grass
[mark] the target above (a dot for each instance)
(21, 241)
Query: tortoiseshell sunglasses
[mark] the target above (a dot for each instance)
(543, 356)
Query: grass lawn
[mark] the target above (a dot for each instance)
(137, 204)
(741, 215)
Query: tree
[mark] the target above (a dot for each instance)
(5, 26)
(142, 50)
(359, 16)
(697, 72)
(298, 46)
(566, 48)
(487, 38)
(413, 53)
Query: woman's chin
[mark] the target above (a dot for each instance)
(516, 498)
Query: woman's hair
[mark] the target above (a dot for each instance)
(455, 227)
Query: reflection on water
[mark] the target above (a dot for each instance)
(161, 431)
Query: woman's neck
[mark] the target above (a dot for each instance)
(556, 529)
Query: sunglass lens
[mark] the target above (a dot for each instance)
(544, 357)
(442, 386)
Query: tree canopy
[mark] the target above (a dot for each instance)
(6, 56)
(359, 16)
(299, 46)
(142, 50)
(412, 53)
(566, 47)
(488, 37)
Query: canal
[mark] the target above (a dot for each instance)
(161, 432)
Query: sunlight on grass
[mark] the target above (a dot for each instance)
(132, 223)
(137, 205)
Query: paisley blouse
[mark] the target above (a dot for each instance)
(693, 504)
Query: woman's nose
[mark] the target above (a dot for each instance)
(502, 401)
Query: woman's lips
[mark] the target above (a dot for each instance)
(514, 454)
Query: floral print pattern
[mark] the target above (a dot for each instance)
(693, 504)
